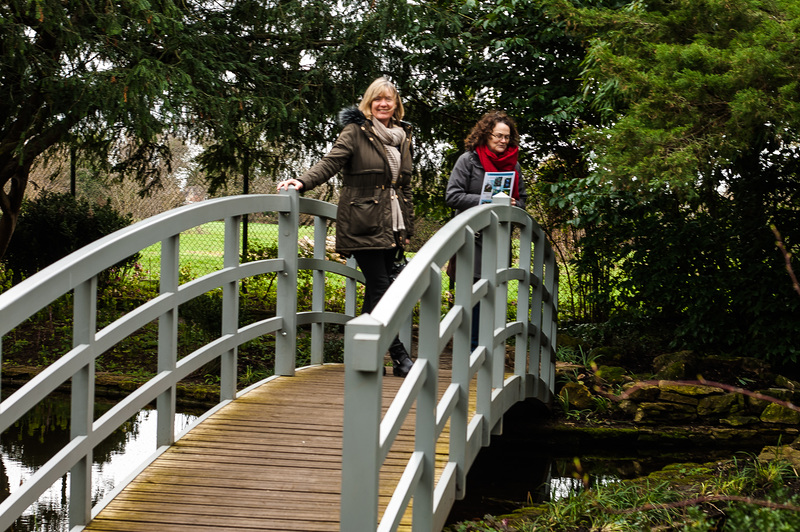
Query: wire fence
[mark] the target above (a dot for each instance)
(201, 248)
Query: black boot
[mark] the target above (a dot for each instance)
(401, 362)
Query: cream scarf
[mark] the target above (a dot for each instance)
(392, 139)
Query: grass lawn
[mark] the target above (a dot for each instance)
(201, 248)
(201, 252)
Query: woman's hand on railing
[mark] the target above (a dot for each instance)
(284, 185)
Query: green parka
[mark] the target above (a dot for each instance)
(364, 218)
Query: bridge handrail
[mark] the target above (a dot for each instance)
(368, 437)
(78, 273)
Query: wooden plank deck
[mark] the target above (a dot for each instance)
(270, 460)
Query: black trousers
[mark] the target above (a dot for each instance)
(376, 265)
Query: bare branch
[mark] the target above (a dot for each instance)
(787, 257)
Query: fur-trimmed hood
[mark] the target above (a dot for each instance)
(353, 115)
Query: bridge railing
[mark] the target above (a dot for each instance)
(368, 437)
(78, 273)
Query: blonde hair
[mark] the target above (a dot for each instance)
(377, 88)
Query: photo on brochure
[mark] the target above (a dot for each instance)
(496, 182)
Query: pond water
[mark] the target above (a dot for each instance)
(497, 487)
(522, 467)
(36, 437)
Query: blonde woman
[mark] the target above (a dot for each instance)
(375, 216)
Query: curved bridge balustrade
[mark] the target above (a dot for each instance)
(78, 273)
(369, 436)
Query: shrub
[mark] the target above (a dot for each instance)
(53, 226)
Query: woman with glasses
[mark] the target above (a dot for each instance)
(491, 146)
(375, 215)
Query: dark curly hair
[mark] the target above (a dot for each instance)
(481, 131)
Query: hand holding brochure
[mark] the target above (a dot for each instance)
(496, 182)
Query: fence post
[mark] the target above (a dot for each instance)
(82, 402)
(286, 305)
(363, 380)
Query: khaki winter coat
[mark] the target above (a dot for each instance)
(364, 219)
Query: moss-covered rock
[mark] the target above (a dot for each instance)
(775, 413)
(671, 396)
(675, 366)
(739, 420)
(664, 412)
(627, 407)
(607, 354)
(755, 404)
(789, 384)
(781, 452)
(612, 374)
(783, 394)
(641, 392)
(577, 395)
(720, 405)
(689, 390)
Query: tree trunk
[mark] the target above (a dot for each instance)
(15, 179)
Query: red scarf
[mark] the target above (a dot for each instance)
(504, 162)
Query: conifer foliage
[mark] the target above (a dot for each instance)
(232, 75)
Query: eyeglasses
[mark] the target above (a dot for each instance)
(500, 137)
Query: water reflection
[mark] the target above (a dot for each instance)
(522, 467)
(36, 437)
(498, 486)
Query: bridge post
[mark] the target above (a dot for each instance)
(430, 308)
(286, 305)
(363, 380)
(535, 366)
(486, 328)
(501, 292)
(549, 312)
(82, 402)
(350, 290)
(228, 373)
(502, 246)
(465, 259)
(523, 299)
(318, 292)
(168, 340)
